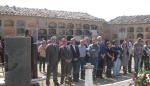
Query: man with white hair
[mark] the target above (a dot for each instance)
(101, 59)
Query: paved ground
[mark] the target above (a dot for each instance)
(122, 80)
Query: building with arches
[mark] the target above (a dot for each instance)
(131, 27)
(45, 23)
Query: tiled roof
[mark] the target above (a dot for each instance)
(6, 10)
(140, 19)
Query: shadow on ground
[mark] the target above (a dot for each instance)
(104, 81)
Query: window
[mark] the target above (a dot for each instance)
(86, 32)
(52, 25)
(93, 27)
(42, 32)
(147, 29)
(148, 36)
(62, 32)
(52, 32)
(20, 31)
(78, 26)
(140, 35)
(8, 23)
(86, 26)
(69, 32)
(20, 23)
(78, 32)
(122, 30)
(20, 27)
(139, 29)
(70, 26)
(61, 25)
(130, 29)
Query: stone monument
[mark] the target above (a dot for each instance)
(18, 61)
(88, 74)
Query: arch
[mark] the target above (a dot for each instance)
(8, 23)
(140, 35)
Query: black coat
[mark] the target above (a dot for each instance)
(75, 53)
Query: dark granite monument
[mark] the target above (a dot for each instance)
(18, 61)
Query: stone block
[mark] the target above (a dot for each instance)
(18, 61)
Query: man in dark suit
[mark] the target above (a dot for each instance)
(52, 54)
(66, 60)
(76, 54)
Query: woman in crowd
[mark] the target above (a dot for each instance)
(125, 54)
(42, 55)
(117, 60)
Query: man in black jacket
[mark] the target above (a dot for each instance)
(65, 55)
(52, 54)
(75, 51)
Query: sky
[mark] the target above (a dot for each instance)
(106, 9)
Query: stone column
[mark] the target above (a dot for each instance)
(18, 61)
(88, 74)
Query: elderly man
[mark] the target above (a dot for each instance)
(66, 60)
(82, 50)
(52, 54)
(101, 58)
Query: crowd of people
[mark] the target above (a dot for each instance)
(107, 57)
